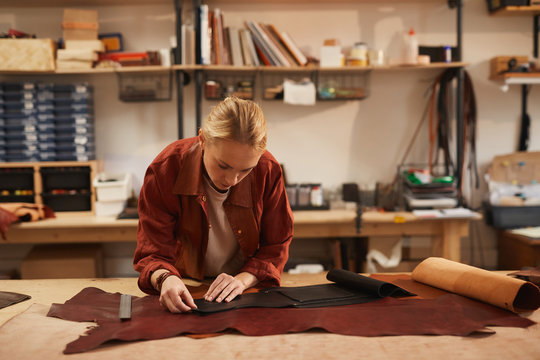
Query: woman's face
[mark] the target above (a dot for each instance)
(228, 162)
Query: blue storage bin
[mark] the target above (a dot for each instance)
(80, 119)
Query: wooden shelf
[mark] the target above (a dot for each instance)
(141, 69)
(70, 3)
(518, 10)
(437, 65)
(95, 71)
(518, 78)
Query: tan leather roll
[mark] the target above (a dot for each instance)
(494, 288)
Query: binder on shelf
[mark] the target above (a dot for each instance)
(267, 56)
(235, 47)
(247, 45)
(293, 48)
(205, 36)
(277, 44)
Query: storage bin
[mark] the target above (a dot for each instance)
(508, 217)
(112, 187)
(63, 261)
(76, 177)
(110, 208)
(68, 202)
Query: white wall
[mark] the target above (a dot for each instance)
(334, 142)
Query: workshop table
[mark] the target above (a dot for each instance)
(40, 342)
(446, 233)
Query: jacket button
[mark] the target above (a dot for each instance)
(239, 231)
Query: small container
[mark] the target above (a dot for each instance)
(359, 55)
(113, 187)
(316, 196)
(447, 54)
(410, 50)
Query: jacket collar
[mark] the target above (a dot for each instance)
(190, 179)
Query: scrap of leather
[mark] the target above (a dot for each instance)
(496, 289)
(6, 219)
(532, 275)
(449, 314)
(10, 298)
(348, 288)
(14, 212)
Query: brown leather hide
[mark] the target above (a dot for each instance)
(436, 315)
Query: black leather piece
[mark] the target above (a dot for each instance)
(260, 299)
(350, 280)
(10, 298)
(349, 288)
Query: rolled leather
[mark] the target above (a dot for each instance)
(493, 288)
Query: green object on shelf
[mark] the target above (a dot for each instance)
(413, 178)
(443, 180)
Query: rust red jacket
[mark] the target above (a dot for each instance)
(173, 222)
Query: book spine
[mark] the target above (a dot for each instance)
(205, 35)
(290, 61)
(246, 54)
(291, 45)
(279, 59)
(235, 47)
(252, 50)
(259, 42)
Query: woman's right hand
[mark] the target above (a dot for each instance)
(175, 296)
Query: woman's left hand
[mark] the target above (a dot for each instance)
(227, 287)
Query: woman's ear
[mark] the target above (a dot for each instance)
(201, 139)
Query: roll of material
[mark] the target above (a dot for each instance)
(496, 289)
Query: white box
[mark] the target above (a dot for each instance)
(110, 208)
(331, 56)
(113, 187)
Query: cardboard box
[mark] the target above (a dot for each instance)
(516, 170)
(80, 24)
(27, 55)
(63, 262)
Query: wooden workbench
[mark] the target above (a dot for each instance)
(21, 339)
(332, 224)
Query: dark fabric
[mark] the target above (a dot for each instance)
(532, 275)
(173, 220)
(9, 298)
(446, 315)
(6, 219)
(348, 288)
(14, 212)
(351, 280)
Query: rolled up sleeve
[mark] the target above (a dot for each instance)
(156, 242)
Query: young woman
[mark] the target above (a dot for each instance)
(214, 206)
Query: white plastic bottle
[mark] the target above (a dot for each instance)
(410, 51)
(317, 198)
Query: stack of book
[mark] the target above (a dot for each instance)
(256, 44)
(81, 44)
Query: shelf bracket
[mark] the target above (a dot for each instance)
(536, 30)
(452, 3)
(179, 74)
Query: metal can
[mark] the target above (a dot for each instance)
(447, 54)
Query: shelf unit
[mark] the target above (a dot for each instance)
(459, 65)
(181, 71)
(523, 79)
(43, 177)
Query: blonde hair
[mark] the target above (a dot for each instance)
(238, 120)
